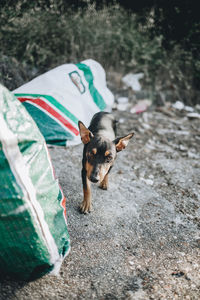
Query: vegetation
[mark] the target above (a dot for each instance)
(42, 34)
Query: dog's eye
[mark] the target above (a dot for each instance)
(90, 155)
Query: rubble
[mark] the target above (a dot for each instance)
(142, 239)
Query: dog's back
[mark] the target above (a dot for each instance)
(103, 124)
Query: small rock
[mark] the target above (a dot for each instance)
(121, 120)
(139, 295)
(182, 148)
(147, 181)
(193, 155)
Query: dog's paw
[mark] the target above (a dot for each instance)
(85, 208)
(103, 186)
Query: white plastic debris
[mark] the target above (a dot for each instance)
(189, 108)
(122, 107)
(178, 105)
(123, 103)
(193, 116)
(132, 80)
(122, 100)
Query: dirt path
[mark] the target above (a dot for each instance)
(142, 239)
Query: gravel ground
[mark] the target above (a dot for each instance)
(141, 241)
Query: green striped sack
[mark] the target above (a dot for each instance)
(59, 98)
(33, 232)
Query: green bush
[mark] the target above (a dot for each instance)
(44, 37)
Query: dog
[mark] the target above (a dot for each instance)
(99, 153)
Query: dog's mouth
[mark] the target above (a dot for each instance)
(94, 179)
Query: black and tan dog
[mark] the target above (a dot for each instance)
(100, 150)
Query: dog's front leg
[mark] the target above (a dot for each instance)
(104, 183)
(86, 204)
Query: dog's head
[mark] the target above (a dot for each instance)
(100, 152)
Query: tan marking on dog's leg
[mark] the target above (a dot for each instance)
(104, 183)
(89, 169)
(87, 200)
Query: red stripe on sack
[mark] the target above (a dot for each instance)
(50, 110)
(63, 204)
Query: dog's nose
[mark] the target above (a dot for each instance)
(94, 178)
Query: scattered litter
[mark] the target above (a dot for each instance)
(132, 80)
(178, 105)
(193, 116)
(122, 100)
(197, 106)
(123, 103)
(141, 106)
(189, 108)
(178, 274)
(122, 107)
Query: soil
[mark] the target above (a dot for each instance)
(141, 241)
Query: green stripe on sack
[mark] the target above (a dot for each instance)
(98, 99)
(52, 131)
(53, 101)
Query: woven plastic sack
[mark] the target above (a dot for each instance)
(59, 98)
(33, 232)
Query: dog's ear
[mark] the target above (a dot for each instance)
(122, 142)
(85, 133)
